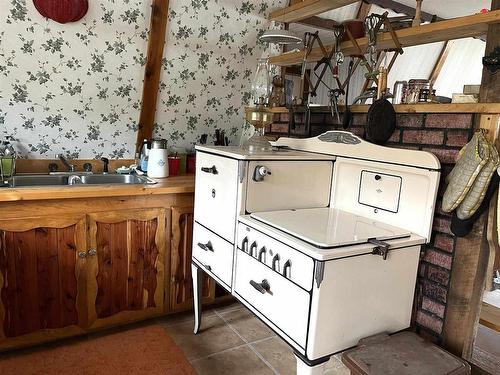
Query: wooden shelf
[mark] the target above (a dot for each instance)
(479, 108)
(306, 9)
(456, 28)
(272, 109)
(483, 108)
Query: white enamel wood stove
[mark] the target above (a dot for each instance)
(320, 238)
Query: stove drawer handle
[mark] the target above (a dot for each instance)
(244, 244)
(252, 248)
(262, 287)
(276, 263)
(212, 169)
(206, 246)
(262, 255)
(287, 269)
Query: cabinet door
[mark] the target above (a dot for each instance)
(181, 286)
(42, 279)
(125, 266)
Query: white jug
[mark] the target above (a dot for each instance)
(158, 159)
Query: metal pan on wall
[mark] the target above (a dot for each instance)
(380, 122)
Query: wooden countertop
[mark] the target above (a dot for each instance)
(170, 185)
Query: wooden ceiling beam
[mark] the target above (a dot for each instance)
(156, 42)
(405, 9)
(455, 28)
(306, 9)
(363, 10)
(443, 55)
(319, 23)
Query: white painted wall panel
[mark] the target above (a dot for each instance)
(462, 67)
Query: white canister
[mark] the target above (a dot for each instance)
(158, 159)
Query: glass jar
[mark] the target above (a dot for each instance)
(261, 85)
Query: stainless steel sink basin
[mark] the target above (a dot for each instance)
(75, 179)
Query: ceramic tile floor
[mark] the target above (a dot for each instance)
(233, 341)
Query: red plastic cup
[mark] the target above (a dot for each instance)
(174, 164)
(191, 163)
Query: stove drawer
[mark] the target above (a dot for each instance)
(215, 193)
(213, 252)
(285, 304)
(282, 258)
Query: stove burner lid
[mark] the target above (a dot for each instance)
(329, 227)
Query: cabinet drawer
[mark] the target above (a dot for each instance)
(285, 304)
(283, 259)
(215, 193)
(214, 253)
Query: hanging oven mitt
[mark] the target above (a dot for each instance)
(473, 157)
(475, 196)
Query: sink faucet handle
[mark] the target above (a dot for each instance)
(105, 168)
(53, 167)
(87, 167)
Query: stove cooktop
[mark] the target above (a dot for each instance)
(329, 227)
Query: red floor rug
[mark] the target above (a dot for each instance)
(140, 351)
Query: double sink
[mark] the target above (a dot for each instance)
(34, 180)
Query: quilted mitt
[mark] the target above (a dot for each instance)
(475, 196)
(473, 157)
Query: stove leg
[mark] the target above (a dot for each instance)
(197, 274)
(304, 369)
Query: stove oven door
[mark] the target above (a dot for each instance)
(280, 185)
(215, 194)
(274, 297)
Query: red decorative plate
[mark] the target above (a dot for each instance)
(62, 11)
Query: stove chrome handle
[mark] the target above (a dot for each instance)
(212, 169)
(260, 172)
(262, 287)
(244, 245)
(287, 269)
(276, 263)
(207, 246)
(253, 247)
(207, 267)
(262, 254)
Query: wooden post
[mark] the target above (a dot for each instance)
(156, 41)
(472, 252)
(443, 55)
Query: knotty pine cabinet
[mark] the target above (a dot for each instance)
(42, 279)
(125, 266)
(84, 267)
(181, 285)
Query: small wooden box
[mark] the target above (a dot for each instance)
(403, 353)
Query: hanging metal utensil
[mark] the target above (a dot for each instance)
(347, 119)
(334, 102)
(372, 25)
(339, 56)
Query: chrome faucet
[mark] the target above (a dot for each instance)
(71, 167)
(73, 180)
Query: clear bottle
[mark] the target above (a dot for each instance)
(261, 85)
(143, 161)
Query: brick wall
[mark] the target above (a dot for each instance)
(443, 135)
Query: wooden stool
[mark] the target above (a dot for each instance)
(404, 353)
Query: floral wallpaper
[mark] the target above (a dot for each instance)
(76, 88)
(73, 88)
(209, 64)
